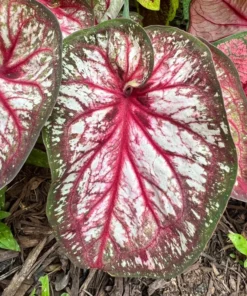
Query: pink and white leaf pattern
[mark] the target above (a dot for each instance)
(216, 19)
(235, 47)
(72, 15)
(30, 70)
(141, 154)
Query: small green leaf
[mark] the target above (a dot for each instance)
(33, 292)
(2, 198)
(45, 290)
(150, 4)
(245, 263)
(4, 215)
(65, 294)
(186, 9)
(7, 241)
(240, 242)
(38, 158)
(233, 256)
(164, 16)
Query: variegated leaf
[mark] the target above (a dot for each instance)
(235, 47)
(141, 155)
(30, 55)
(73, 15)
(215, 19)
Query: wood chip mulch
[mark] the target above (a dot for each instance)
(215, 273)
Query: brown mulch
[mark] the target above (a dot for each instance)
(215, 273)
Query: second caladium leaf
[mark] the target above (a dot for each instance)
(141, 154)
(235, 47)
(215, 19)
(236, 109)
(30, 70)
(73, 15)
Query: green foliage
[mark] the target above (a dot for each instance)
(240, 242)
(38, 158)
(186, 9)
(2, 198)
(7, 241)
(45, 290)
(150, 4)
(164, 16)
(4, 215)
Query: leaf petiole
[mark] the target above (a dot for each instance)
(126, 10)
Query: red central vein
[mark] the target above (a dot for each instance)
(116, 182)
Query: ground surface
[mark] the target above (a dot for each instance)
(215, 273)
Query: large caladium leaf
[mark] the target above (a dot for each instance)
(215, 19)
(163, 16)
(30, 54)
(73, 15)
(235, 100)
(141, 154)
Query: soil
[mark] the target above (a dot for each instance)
(215, 273)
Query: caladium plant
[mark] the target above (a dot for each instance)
(215, 19)
(235, 100)
(73, 15)
(30, 56)
(140, 150)
(235, 47)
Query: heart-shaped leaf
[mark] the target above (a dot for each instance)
(215, 19)
(236, 109)
(30, 54)
(141, 155)
(73, 15)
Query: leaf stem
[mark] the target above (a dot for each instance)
(126, 11)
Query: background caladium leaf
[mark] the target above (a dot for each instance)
(150, 4)
(141, 155)
(30, 70)
(106, 9)
(235, 100)
(72, 15)
(215, 19)
(235, 47)
(164, 16)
